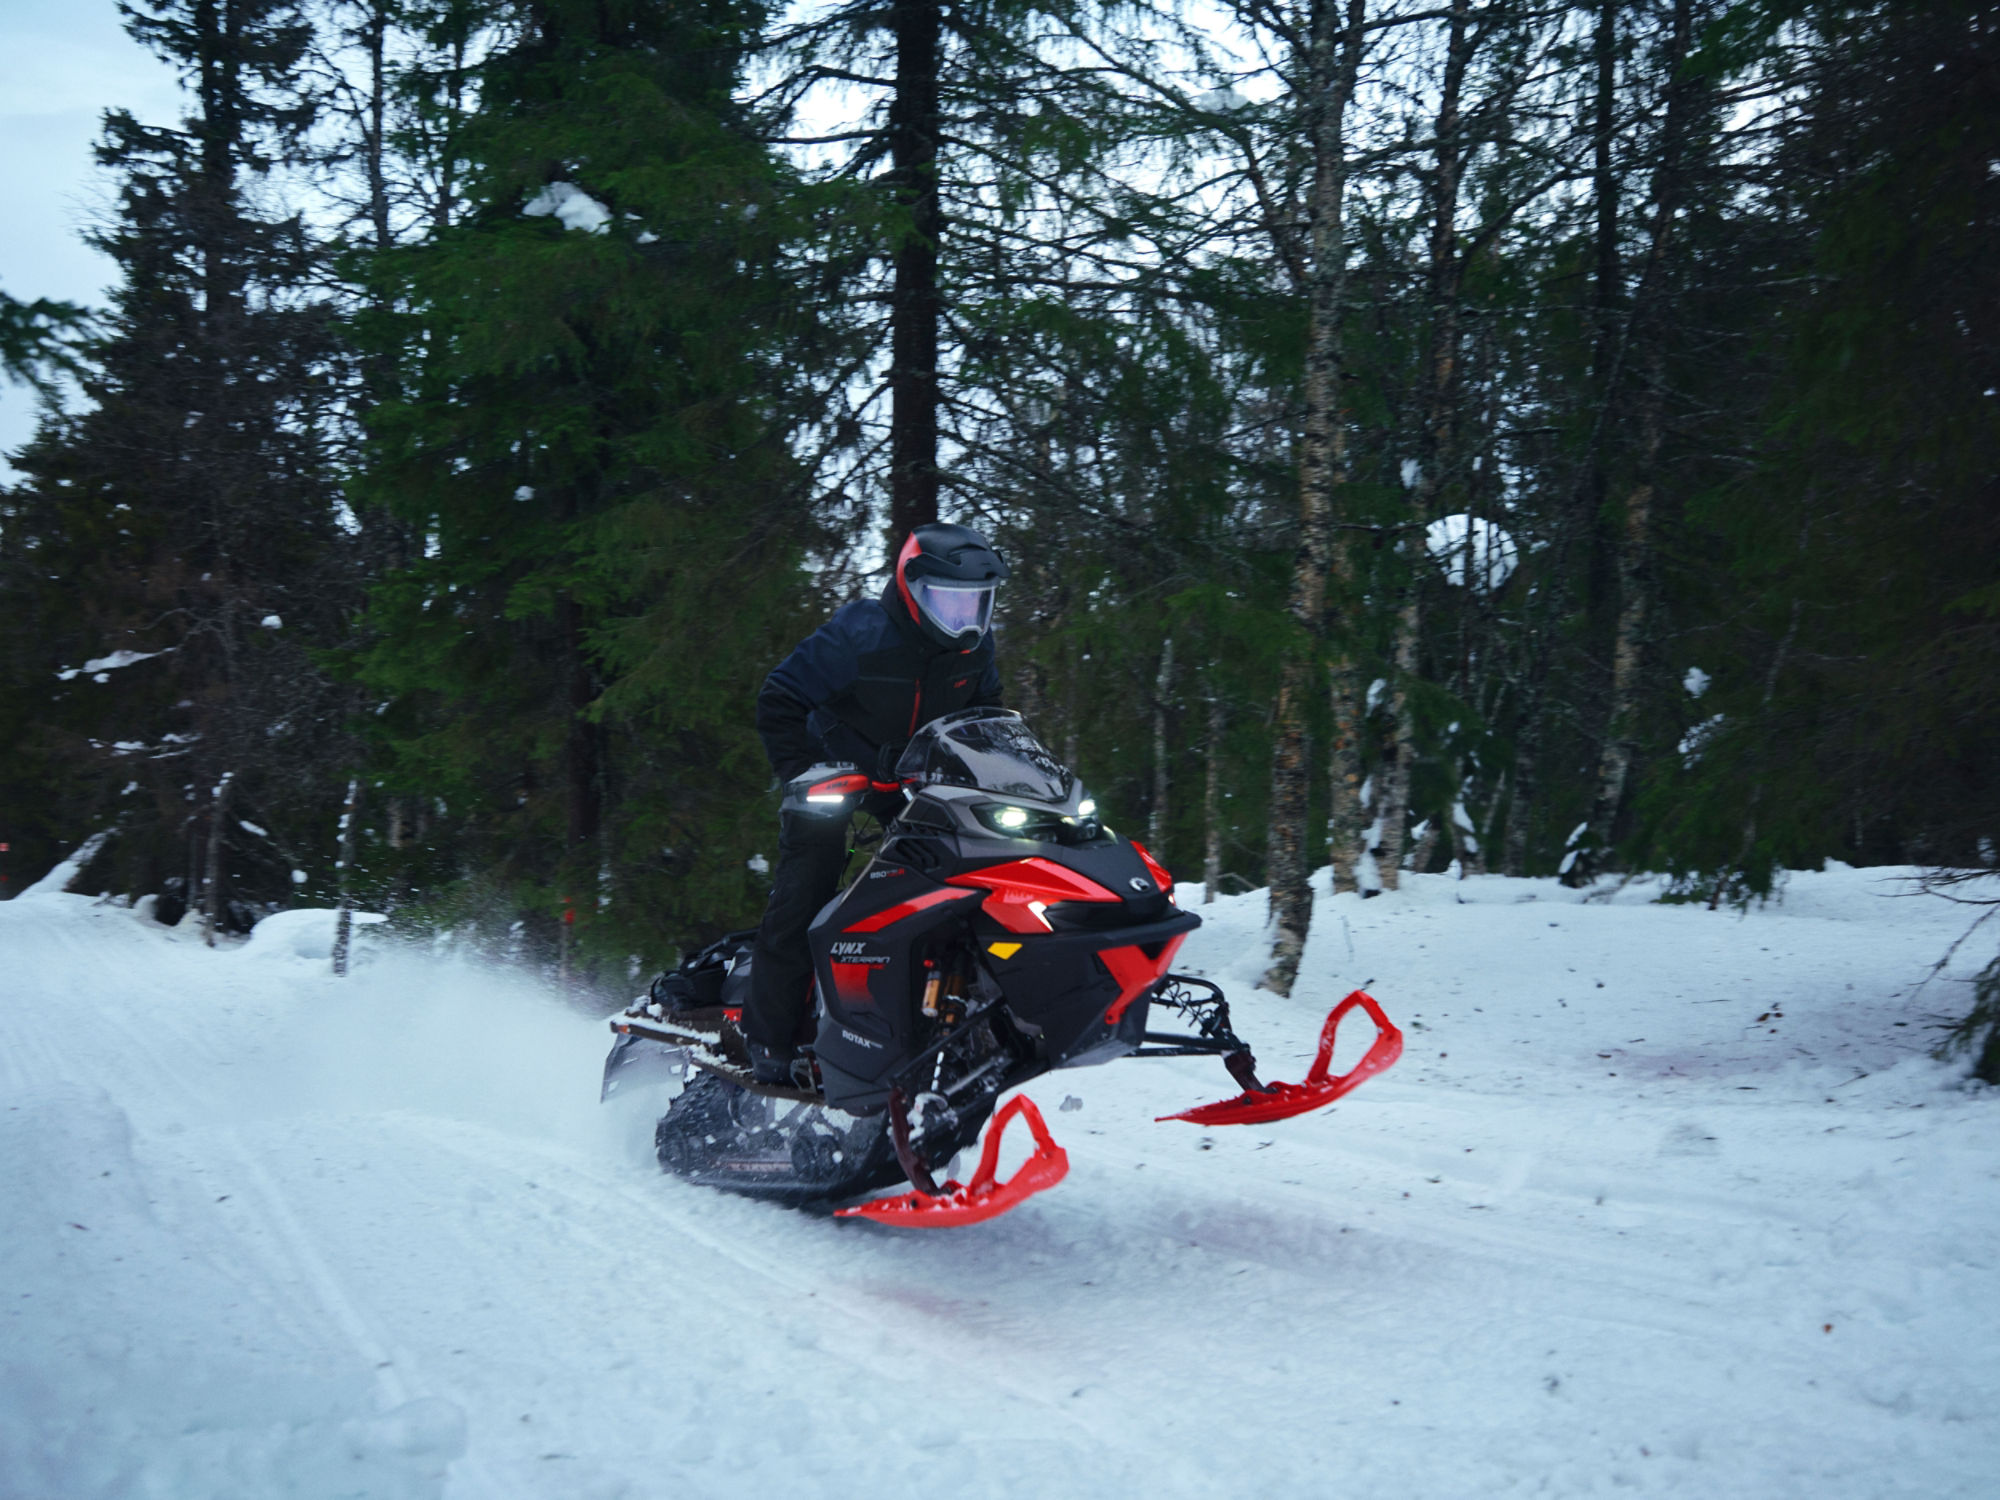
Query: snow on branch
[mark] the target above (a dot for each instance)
(1472, 549)
(570, 203)
(98, 669)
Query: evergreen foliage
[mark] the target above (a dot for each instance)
(588, 448)
(173, 556)
(35, 339)
(1852, 624)
(1652, 522)
(1979, 1033)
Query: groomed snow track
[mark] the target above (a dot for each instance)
(267, 1233)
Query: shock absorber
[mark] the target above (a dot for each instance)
(951, 1004)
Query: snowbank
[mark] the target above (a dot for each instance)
(56, 882)
(305, 932)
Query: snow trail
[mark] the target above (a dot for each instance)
(1659, 1200)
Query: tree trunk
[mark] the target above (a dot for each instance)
(219, 86)
(1031, 689)
(343, 924)
(581, 760)
(1635, 567)
(457, 79)
(583, 774)
(1392, 779)
(191, 894)
(1344, 823)
(913, 308)
(1331, 65)
(1724, 877)
(1587, 498)
(1608, 282)
(1425, 848)
(218, 836)
(375, 140)
(1285, 855)
(1466, 846)
(1211, 803)
(1635, 543)
(1438, 443)
(1156, 819)
(1607, 351)
(1521, 780)
(1073, 687)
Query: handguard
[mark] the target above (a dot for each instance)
(981, 1198)
(1278, 1101)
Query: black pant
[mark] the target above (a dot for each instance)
(812, 856)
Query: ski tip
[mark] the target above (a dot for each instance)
(984, 1197)
(1322, 1086)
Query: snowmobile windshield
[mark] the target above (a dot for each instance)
(991, 749)
(955, 608)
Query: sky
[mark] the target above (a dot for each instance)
(62, 64)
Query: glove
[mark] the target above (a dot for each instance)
(885, 762)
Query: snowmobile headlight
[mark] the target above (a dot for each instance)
(1044, 825)
(1014, 822)
(1086, 807)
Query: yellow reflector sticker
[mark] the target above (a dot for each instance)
(1003, 950)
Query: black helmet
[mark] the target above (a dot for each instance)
(946, 575)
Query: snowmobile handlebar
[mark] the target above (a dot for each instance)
(831, 789)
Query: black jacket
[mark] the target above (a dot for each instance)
(863, 683)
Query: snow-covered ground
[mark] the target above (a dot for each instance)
(1659, 1200)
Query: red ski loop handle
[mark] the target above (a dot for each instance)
(981, 1198)
(1279, 1101)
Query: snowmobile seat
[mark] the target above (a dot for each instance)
(695, 992)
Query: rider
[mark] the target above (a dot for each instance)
(855, 691)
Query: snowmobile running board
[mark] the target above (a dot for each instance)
(691, 1036)
(1278, 1101)
(982, 1198)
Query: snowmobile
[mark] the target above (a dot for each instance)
(999, 930)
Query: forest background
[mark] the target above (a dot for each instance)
(1546, 438)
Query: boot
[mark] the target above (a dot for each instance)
(774, 1065)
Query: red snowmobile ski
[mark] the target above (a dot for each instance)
(999, 931)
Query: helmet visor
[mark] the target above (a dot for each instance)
(955, 608)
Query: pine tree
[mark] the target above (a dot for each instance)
(1847, 592)
(174, 552)
(594, 363)
(979, 176)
